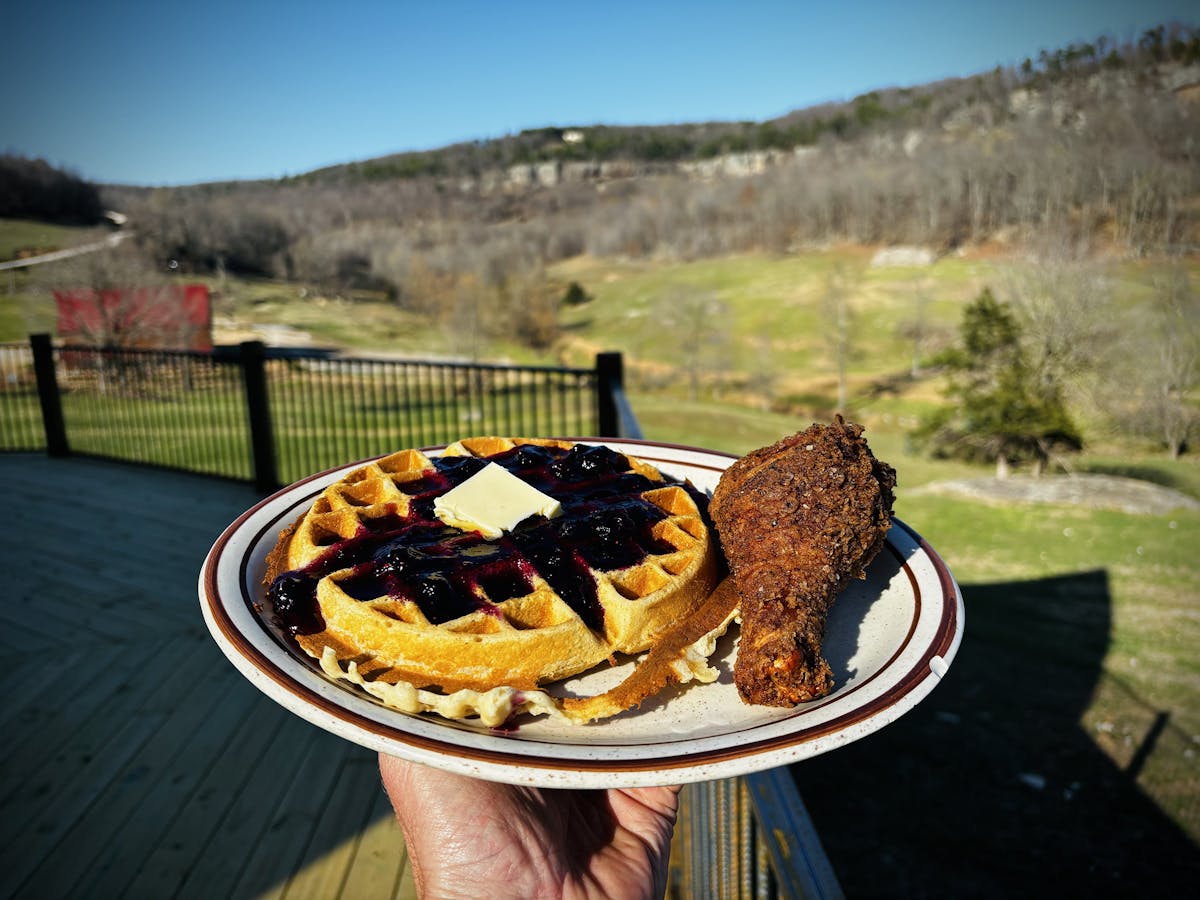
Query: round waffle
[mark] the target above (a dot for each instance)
(371, 574)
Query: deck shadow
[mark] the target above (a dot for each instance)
(990, 787)
(137, 761)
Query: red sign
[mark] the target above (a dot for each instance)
(176, 317)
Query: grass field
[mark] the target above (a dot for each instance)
(21, 234)
(773, 307)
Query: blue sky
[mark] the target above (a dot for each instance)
(165, 92)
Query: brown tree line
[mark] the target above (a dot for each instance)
(33, 189)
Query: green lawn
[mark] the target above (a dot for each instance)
(774, 309)
(18, 234)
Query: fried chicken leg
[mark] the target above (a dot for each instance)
(797, 520)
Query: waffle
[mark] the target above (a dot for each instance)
(370, 583)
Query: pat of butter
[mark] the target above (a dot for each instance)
(493, 501)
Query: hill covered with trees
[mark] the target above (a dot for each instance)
(1092, 146)
(33, 189)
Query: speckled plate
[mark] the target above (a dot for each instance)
(890, 639)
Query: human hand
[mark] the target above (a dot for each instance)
(469, 838)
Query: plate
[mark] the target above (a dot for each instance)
(890, 638)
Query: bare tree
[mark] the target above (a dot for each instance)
(1069, 322)
(840, 317)
(697, 322)
(762, 373)
(1167, 368)
(917, 329)
(122, 298)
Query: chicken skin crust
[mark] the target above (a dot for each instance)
(797, 521)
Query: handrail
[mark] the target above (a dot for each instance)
(798, 857)
(617, 418)
(627, 424)
(747, 838)
(272, 415)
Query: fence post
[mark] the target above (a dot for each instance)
(610, 378)
(258, 411)
(49, 396)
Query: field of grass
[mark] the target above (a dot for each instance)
(773, 310)
(25, 307)
(21, 234)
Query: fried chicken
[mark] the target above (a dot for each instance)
(797, 521)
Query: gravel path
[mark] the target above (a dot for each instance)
(1096, 491)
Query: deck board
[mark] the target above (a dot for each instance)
(76, 866)
(329, 853)
(196, 821)
(242, 828)
(71, 723)
(136, 761)
(30, 702)
(84, 756)
(277, 853)
(166, 768)
(69, 787)
(376, 864)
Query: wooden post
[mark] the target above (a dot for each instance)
(49, 396)
(258, 411)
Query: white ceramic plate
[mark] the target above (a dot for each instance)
(889, 639)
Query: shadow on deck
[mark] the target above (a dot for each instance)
(994, 787)
(137, 762)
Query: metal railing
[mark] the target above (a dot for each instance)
(748, 837)
(20, 415)
(330, 410)
(272, 417)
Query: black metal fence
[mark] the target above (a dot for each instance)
(271, 416)
(20, 421)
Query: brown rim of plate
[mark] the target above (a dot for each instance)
(940, 646)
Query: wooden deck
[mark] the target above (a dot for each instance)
(136, 761)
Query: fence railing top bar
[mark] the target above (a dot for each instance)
(233, 353)
(447, 364)
(132, 351)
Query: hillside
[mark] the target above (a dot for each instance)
(1084, 149)
(1164, 60)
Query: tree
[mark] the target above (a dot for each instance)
(1001, 410)
(917, 329)
(839, 318)
(575, 295)
(698, 323)
(1167, 369)
(129, 301)
(33, 189)
(1071, 324)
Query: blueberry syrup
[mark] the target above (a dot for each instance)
(604, 525)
